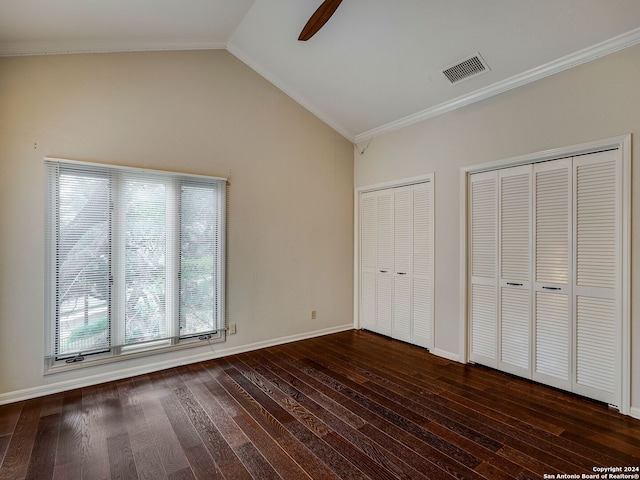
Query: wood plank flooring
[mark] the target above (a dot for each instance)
(352, 405)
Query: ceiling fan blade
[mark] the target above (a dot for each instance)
(319, 18)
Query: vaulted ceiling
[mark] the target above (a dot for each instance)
(375, 66)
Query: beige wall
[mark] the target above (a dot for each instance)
(597, 100)
(204, 112)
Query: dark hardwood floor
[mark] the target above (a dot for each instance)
(345, 406)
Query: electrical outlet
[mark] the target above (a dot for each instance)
(313, 314)
(232, 328)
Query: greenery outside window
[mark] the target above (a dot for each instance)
(135, 260)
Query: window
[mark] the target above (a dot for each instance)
(135, 260)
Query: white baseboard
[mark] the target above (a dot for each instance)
(87, 381)
(454, 357)
(635, 412)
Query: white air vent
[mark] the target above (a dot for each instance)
(466, 69)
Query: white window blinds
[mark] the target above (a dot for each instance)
(200, 271)
(135, 259)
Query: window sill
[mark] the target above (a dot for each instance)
(132, 352)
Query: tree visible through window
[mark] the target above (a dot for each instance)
(134, 258)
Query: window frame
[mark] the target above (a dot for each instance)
(173, 340)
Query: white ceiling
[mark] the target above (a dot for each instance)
(375, 66)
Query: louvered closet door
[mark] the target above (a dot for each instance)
(396, 258)
(384, 262)
(552, 330)
(597, 284)
(368, 262)
(402, 272)
(484, 288)
(515, 270)
(422, 262)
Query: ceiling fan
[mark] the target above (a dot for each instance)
(318, 19)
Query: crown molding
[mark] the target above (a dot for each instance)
(67, 47)
(607, 47)
(263, 72)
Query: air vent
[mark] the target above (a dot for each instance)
(466, 69)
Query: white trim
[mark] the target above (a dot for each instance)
(635, 412)
(263, 72)
(428, 177)
(623, 143)
(57, 387)
(463, 346)
(454, 357)
(356, 259)
(626, 375)
(61, 47)
(612, 45)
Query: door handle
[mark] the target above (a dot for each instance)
(552, 288)
(514, 284)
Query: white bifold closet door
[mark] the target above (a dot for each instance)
(396, 230)
(552, 348)
(514, 297)
(368, 260)
(597, 292)
(484, 269)
(422, 265)
(384, 269)
(545, 272)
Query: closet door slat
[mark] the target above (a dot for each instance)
(515, 326)
(596, 345)
(552, 334)
(483, 324)
(515, 219)
(483, 227)
(596, 238)
(553, 220)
